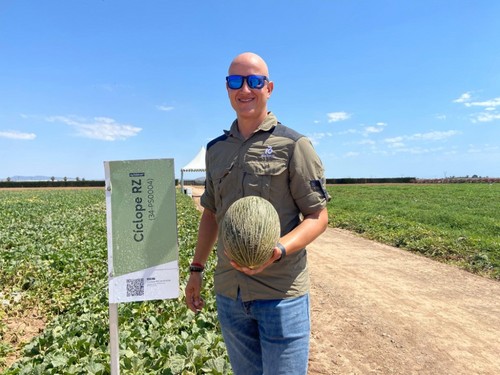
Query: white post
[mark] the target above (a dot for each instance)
(113, 339)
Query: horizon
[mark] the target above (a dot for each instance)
(382, 89)
(45, 178)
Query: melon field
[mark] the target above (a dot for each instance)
(53, 283)
(53, 265)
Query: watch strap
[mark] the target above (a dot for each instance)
(196, 267)
(283, 251)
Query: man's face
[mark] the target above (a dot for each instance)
(249, 103)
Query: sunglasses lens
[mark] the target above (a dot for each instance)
(255, 82)
(234, 82)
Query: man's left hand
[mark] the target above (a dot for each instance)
(252, 271)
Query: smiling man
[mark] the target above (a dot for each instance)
(249, 104)
(263, 312)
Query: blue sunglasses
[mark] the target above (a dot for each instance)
(235, 82)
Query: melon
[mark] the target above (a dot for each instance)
(250, 230)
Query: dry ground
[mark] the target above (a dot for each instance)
(376, 309)
(381, 310)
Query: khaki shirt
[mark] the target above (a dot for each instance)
(281, 166)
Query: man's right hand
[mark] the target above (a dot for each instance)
(193, 292)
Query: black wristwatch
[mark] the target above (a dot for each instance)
(283, 252)
(196, 267)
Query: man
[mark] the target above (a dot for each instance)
(264, 312)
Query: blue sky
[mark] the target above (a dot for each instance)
(382, 88)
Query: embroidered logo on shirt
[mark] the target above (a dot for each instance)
(268, 153)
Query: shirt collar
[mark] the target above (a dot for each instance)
(269, 122)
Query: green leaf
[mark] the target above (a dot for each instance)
(58, 361)
(94, 368)
(177, 364)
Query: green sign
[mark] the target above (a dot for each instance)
(142, 229)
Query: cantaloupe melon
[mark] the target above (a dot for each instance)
(250, 230)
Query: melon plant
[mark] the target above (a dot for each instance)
(250, 230)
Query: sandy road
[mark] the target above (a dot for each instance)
(381, 310)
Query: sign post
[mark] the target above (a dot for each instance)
(142, 236)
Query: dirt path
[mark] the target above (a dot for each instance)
(381, 310)
(376, 309)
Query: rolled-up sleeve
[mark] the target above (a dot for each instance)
(307, 179)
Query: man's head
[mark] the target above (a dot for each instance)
(249, 103)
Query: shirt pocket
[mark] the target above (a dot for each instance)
(265, 177)
(223, 182)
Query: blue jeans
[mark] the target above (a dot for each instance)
(266, 337)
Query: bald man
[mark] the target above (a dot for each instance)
(263, 312)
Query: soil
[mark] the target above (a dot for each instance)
(20, 331)
(376, 309)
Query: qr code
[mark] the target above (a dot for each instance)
(135, 287)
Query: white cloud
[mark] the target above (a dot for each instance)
(464, 98)
(396, 145)
(165, 108)
(434, 136)
(379, 127)
(474, 149)
(351, 154)
(367, 130)
(338, 116)
(417, 150)
(110, 87)
(394, 140)
(13, 134)
(489, 108)
(316, 137)
(399, 142)
(372, 129)
(102, 128)
(492, 103)
(348, 131)
(66, 120)
(485, 149)
(485, 117)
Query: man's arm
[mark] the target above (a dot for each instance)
(207, 235)
(311, 227)
(306, 232)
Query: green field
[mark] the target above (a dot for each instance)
(53, 256)
(53, 272)
(453, 223)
